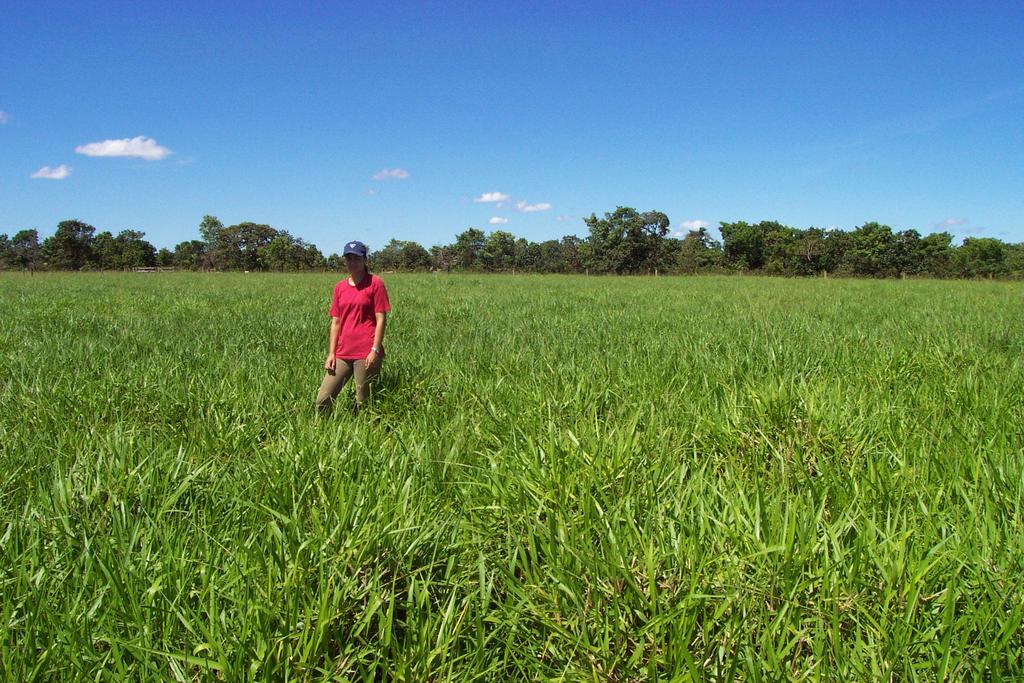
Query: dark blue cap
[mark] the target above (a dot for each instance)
(356, 247)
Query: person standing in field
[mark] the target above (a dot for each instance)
(355, 345)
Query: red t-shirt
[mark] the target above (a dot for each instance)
(356, 309)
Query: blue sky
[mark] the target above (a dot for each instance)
(149, 116)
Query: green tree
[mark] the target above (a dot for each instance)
(401, 255)
(239, 246)
(25, 249)
(190, 255)
(133, 250)
(6, 253)
(573, 254)
(935, 252)
(767, 245)
(808, 252)
(105, 251)
(128, 250)
(549, 257)
(904, 253)
(278, 254)
(499, 251)
(164, 258)
(1014, 261)
(414, 257)
(871, 251)
(699, 251)
(335, 262)
(468, 246)
(309, 256)
(981, 257)
(835, 245)
(285, 252)
(780, 247)
(526, 255)
(209, 231)
(388, 257)
(443, 257)
(70, 248)
(626, 241)
(742, 244)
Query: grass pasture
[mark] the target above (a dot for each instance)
(559, 478)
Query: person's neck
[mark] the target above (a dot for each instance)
(356, 278)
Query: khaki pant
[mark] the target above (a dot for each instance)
(343, 369)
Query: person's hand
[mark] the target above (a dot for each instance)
(371, 358)
(329, 364)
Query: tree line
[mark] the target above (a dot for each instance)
(624, 241)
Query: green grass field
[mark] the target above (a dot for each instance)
(559, 478)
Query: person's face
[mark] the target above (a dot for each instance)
(355, 264)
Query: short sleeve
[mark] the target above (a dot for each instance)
(380, 299)
(334, 312)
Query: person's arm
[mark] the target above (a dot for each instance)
(378, 338)
(332, 343)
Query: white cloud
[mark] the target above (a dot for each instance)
(694, 224)
(497, 220)
(391, 174)
(562, 218)
(950, 222)
(371, 192)
(4, 116)
(492, 197)
(55, 173)
(523, 207)
(138, 147)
